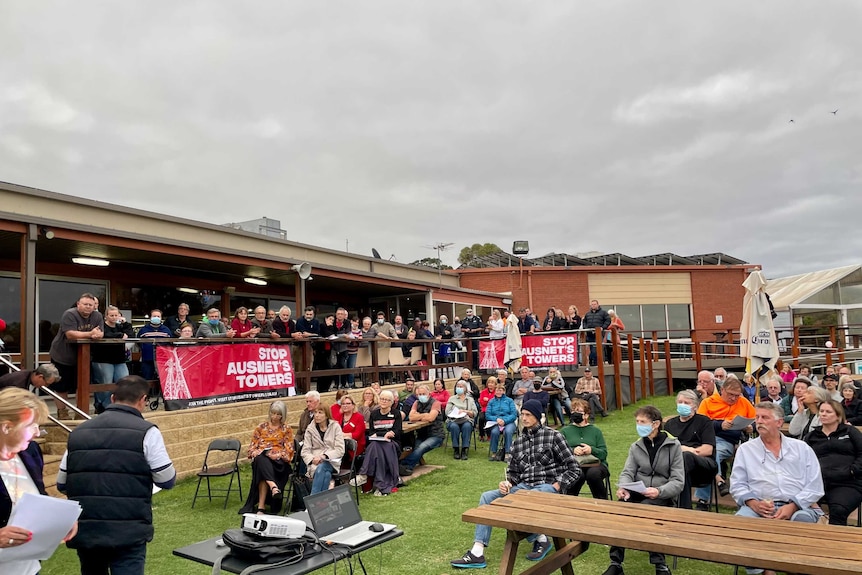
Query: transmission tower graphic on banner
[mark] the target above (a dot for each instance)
(489, 356)
(175, 386)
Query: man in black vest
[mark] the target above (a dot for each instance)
(425, 408)
(109, 467)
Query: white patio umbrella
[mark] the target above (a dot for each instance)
(757, 341)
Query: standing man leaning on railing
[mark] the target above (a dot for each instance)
(80, 322)
(596, 317)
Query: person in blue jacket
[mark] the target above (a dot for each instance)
(501, 409)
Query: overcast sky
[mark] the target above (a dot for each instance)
(633, 127)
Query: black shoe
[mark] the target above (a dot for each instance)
(469, 561)
(457, 451)
(662, 570)
(614, 569)
(464, 452)
(404, 471)
(540, 549)
(702, 505)
(723, 489)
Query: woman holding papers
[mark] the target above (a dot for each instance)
(461, 412)
(21, 412)
(654, 474)
(383, 448)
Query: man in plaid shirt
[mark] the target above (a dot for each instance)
(589, 389)
(540, 460)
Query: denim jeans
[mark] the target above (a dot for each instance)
(351, 364)
(508, 432)
(322, 476)
(461, 433)
(119, 560)
(723, 450)
(483, 532)
(421, 449)
(107, 373)
(803, 515)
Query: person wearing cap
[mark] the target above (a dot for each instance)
(526, 471)
(473, 327)
(589, 389)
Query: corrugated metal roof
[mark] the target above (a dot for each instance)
(786, 292)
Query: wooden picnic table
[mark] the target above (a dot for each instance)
(575, 522)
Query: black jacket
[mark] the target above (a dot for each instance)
(108, 474)
(840, 455)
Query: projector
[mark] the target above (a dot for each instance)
(272, 526)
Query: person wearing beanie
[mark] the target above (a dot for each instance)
(525, 471)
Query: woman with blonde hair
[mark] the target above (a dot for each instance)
(496, 327)
(21, 412)
(370, 400)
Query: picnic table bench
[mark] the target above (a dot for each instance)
(575, 522)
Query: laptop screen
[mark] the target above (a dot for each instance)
(332, 510)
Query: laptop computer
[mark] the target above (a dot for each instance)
(335, 518)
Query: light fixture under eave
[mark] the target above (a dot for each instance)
(255, 281)
(187, 290)
(91, 262)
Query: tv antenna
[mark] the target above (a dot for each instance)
(440, 247)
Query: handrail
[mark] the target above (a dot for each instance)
(13, 367)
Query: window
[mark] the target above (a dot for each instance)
(56, 296)
(10, 311)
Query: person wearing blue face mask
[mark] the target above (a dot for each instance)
(696, 435)
(655, 460)
(213, 326)
(425, 408)
(461, 414)
(154, 328)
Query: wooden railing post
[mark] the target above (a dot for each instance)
(651, 375)
(617, 356)
(698, 357)
(82, 394)
(643, 361)
(630, 347)
(794, 349)
(668, 368)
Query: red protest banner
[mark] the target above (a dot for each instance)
(199, 375)
(537, 351)
(547, 350)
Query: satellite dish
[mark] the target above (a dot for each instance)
(375, 253)
(303, 269)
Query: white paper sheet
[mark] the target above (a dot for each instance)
(636, 486)
(739, 423)
(48, 518)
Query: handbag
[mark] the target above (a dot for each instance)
(587, 459)
(265, 552)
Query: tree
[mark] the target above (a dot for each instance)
(470, 254)
(435, 263)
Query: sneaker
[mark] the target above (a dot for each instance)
(359, 480)
(469, 561)
(508, 458)
(404, 471)
(702, 505)
(332, 484)
(662, 570)
(614, 569)
(378, 493)
(540, 549)
(723, 489)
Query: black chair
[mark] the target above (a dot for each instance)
(208, 471)
(348, 471)
(293, 477)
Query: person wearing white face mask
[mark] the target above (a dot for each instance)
(696, 436)
(461, 413)
(656, 460)
(154, 328)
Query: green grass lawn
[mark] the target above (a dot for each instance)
(428, 510)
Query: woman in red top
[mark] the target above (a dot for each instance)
(242, 325)
(484, 397)
(440, 392)
(352, 424)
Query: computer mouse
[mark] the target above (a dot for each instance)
(376, 527)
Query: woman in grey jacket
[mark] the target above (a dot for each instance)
(322, 449)
(656, 460)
